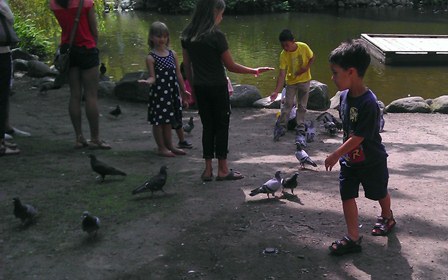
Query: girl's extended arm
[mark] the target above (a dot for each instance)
(347, 146)
(234, 67)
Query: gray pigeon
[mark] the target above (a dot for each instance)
(103, 169)
(90, 224)
(310, 131)
(154, 184)
(278, 130)
(188, 127)
(25, 212)
(304, 158)
(290, 183)
(270, 187)
(300, 139)
(331, 124)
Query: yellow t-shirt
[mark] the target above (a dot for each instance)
(293, 61)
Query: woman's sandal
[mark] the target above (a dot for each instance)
(206, 178)
(383, 226)
(345, 246)
(98, 145)
(81, 143)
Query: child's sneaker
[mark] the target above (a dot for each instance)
(184, 145)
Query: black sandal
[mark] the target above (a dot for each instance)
(384, 226)
(345, 246)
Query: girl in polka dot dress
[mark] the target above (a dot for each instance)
(165, 104)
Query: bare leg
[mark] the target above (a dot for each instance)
(180, 134)
(208, 167)
(74, 105)
(385, 206)
(351, 218)
(90, 83)
(166, 129)
(157, 130)
(223, 169)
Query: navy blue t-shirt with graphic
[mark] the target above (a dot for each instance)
(361, 117)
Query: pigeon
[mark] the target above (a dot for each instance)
(278, 130)
(103, 76)
(304, 158)
(103, 169)
(310, 131)
(290, 183)
(25, 212)
(300, 139)
(116, 112)
(270, 187)
(103, 69)
(331, 124)
(90, 224)
(188, 127)
(154, 183)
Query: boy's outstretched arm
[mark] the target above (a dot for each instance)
(280, 84)
(347, 146)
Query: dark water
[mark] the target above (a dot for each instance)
(253, 42)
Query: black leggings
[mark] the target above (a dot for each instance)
(214, 110)
(5, 86)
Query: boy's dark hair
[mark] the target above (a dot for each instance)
(352, 53)
(286, 35)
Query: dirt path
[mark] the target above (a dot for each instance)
(213, 230)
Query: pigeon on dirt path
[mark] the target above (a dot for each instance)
(279, 131)
(25, 212)
(188, 127)
(331, 124)
(304, 158)
(116, 112)
(90, 224)
(290, 183)
(155, 183)
(103, 169)
(270, 186)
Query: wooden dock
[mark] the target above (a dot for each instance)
(408, 49)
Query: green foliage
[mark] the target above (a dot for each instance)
(32, 39)
(37, 27)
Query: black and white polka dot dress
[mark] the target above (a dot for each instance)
(164, 105)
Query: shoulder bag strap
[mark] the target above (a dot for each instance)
(75, 25)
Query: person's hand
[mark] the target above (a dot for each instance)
(147, 81)
(274, 96)
(330, 161)
(260, 70)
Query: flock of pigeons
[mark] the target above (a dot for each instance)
(90, 223)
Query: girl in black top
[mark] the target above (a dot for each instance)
(206, 56)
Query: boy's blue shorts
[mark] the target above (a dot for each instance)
(374, 180)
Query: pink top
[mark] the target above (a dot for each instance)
(66, 18)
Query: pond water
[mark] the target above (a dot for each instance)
(253, 41)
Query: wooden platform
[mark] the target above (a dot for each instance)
(408, 49)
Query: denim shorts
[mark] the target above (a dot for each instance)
(374, 180)
(83, 57)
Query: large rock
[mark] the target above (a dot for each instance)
(106, 88)
(267, 103)
(38, 69)
(440, 104)
(128, 88)
(18, 53)
(244, 96)
(319, 99)
(20, 65)
(409, 105)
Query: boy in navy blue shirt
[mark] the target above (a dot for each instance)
(362, 156)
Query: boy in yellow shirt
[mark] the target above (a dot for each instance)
(296, 59)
